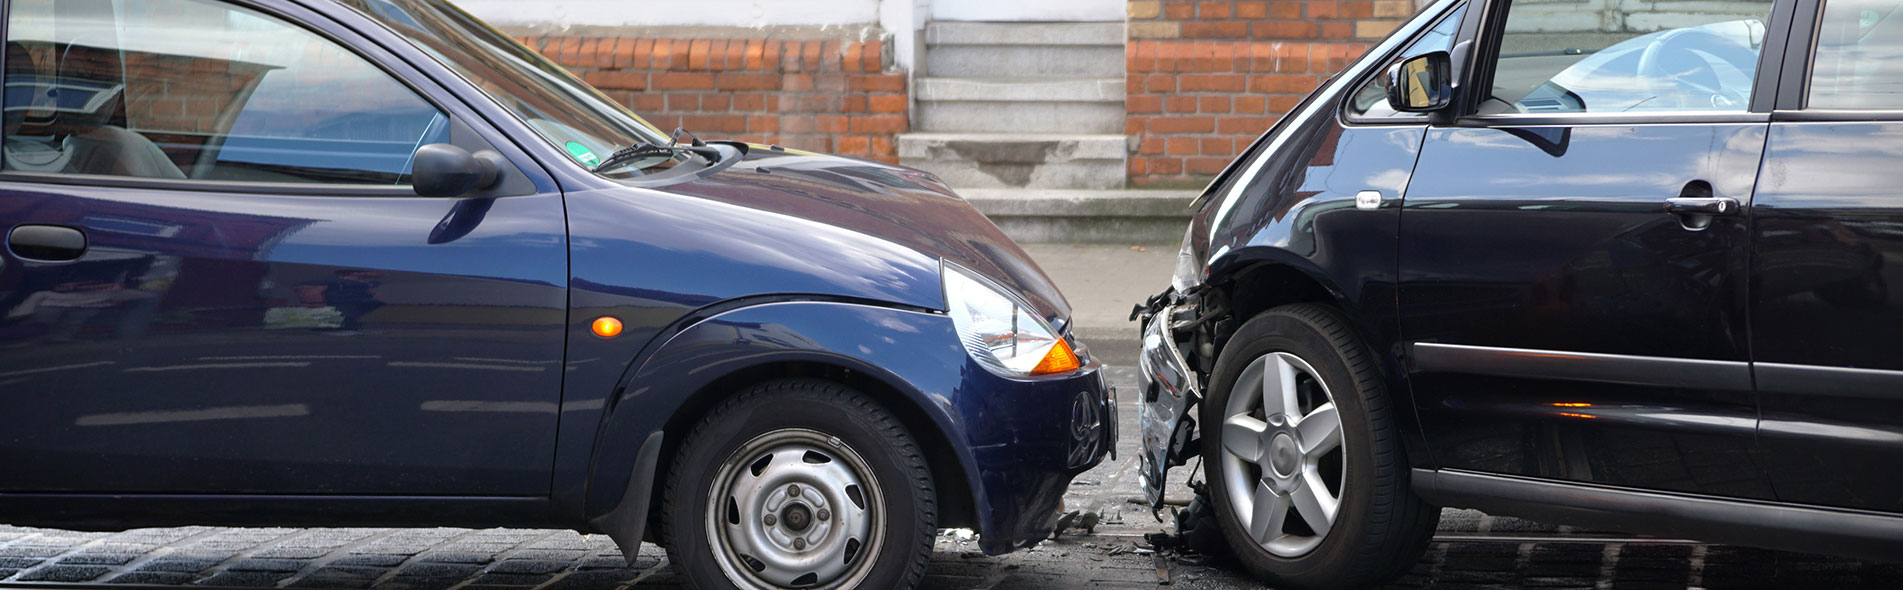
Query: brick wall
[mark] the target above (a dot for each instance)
(1206, 78)
(834, 96)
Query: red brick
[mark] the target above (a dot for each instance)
(834, 124)
(1357, 9)
(887, 103)
(853, 104)
(1252, 105)
(643, 54)
(1338, 30)
(1252, 10)
(1213, 104)
(854, 59)
(833, 83)
(616, 79)
(749, 102)
(878, 124)
(1140, 56)
(1179, 11)
(716, 102)
(1168, 125)
(683, 102)
(1324, 9)
(796, 82)
(1179, 104)
(1160, 83)
(1166, 166)
(1286, 10)
(1250, 126)
(1212, 82)
(624, 52)
(877, 83)
(1281, 84)
(1135, 126)
(1212, 10)
(763, 124)
(729, 81)
(1283, 30)
(1207, 166)
(853, 145)
(648, 103)
(1179, 146)
(1217, 146)
(697, 54)
(683, 81)
(873, 58)
(1150, 146)
(1146, 104)
(756, 54)
(882, 147)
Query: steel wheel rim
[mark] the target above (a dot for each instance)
(795, 508)
(1284, 457)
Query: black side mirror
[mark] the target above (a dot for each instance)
(1421, 83)
(444, 170)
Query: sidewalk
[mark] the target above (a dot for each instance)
(1102, 282)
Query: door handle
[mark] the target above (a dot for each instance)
(47, 243)
(1701, 206)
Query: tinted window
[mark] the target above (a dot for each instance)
(1859, 61)
(1573, 56)
(1372, 99)
(200, 89)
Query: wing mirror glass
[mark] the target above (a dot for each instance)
(444, 170)
(1421, 83)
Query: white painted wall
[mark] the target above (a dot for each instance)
(1029, 10)
(648, 13)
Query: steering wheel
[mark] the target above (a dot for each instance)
(1695, 85)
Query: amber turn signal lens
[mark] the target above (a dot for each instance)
(607, 327)
(1059, 360)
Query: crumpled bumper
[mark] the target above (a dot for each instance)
(1167, 389)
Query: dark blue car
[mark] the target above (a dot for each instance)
(370, 262)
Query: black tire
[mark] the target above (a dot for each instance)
(1381, 528)
(904, 481)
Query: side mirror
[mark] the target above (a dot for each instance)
(1421, 83)
(444, 170)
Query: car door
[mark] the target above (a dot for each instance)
(217, 279)
(1826, 328)
(1573, 247)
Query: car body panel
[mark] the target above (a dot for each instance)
(1825, 321)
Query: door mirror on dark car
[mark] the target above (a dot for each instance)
(1421, 83)
(444, 170)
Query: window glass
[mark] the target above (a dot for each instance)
(1859, 61)
(200, 89)
(1372, 99)
(572, 116)
(1579, 56)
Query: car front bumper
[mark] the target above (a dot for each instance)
(1028, 439)
(1167, 389)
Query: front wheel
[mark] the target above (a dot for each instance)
(1306, 471)
(800, 484)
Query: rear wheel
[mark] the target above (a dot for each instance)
(800, 484)
(1304, 461)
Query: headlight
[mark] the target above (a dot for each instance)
(1189, 270)
(1001, 334)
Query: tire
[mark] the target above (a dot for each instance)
(793, 460)
(1379, 528)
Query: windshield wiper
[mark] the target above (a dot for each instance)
(650, 150)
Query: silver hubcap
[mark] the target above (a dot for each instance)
(1282, 453)
(795, 508)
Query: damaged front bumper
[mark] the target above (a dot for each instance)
(1168, 388)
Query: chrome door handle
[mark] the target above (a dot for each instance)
(1701, 206)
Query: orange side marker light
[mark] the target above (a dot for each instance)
(607, 326)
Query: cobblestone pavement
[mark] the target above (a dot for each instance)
(1471, 551)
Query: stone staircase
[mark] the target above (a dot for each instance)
(1020, 105)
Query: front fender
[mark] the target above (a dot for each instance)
(914, 353)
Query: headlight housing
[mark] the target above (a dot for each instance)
(1189, 270)
(1003, 335)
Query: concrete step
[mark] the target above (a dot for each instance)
(1020, 89)
(992, 33)
(1025, 61)
(1003, 160)
(1042, 216)
(1061, 117)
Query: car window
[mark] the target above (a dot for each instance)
(200, 89)
(1859, 62)
(1573, 56)
(1371, 100)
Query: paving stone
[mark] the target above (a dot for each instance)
(251, 579)
(457, 557)
(418, 583)
(268, 565)
(65, 573)
(597, 580)
(155, 578)
(440, 570)
(185, 565)
(98, 558)
(16, 563)
(28, 551)
(371, 560)
(508, 579)
(292, 553)
(528, 566)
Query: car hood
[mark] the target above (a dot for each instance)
(907, 208)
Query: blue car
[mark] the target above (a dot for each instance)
(373, 263)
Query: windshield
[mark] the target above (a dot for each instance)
(572, 115)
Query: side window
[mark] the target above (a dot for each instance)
(1588, 56)
(1371, 100)
(1859, 63)
(200, 89)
